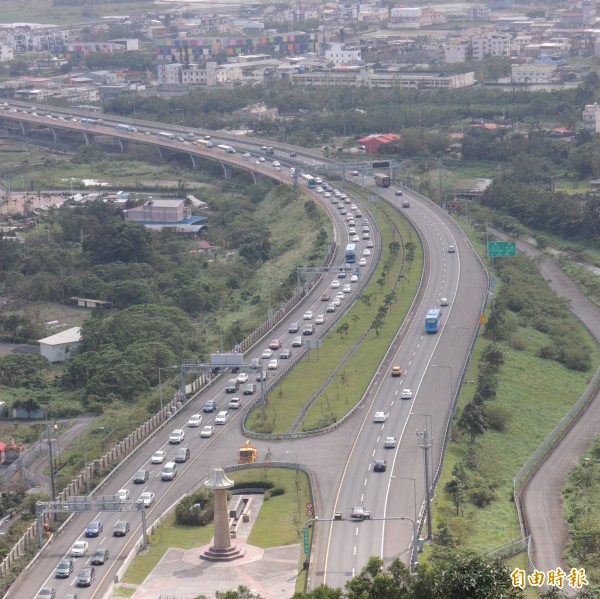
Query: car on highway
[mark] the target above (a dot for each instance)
(207, 431)
(158, 457)
(362, 262)
(444, 301)
(249, 389)
(261, 375)
(355, 238)
(46, 593)
(195, 420)
(380, 416)
(147, 498)
(285, 354)
(235, 403)
(121, 528)
(366, 252)
(177, 436)
(86, 576)
(308, 315)
(354, 279)
(406, 394)
(398, 192)
(222, 417)
(273, 364)
(297, 342)
(370, 245)
(242, 377)
(320, 319)
(293, 154)
(275, 344)
(379, 465)
(182, 455)
(94, 528)
(64, 568)
(100, 557)
(79, 548)
(335, 284)
(337, 302)
(330, 308)
(325, 297)
(294, 327)
(141, 476)
(123, 494)
(359, 513)
(210, 406)
(405, 204)
(389, 443)
(267, 354)
(261, 159)
(247, 155)
(451, 249)
(347, 288)
(397, 370)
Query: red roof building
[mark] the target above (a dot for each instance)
(372, 142)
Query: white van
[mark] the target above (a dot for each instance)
(222, 417)
(169, 471)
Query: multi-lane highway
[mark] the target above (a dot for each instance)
(432, 365)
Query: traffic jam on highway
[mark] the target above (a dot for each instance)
(104, 536)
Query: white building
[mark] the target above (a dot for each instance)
(339, 54)
(476, 46)
(533, 73)
(6, 53)
(591, 118)
(59, 347)
(415, 17)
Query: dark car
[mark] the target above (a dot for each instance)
(121, 528)
(285, 354)
(141, 476)
(64, 568)
(94, 528)
(100, 557)
(86, 576)
(210, 406)
(46, 593)
(380, 466)
(182, 455)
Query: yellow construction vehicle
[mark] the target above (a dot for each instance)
(247, 453)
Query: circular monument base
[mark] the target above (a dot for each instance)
(229, 554)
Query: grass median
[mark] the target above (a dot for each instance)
(393, 287)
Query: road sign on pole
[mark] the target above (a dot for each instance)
(306, 541)
(502, 249)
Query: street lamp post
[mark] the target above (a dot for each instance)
(51, 459)
(414, 559)
(160, 386)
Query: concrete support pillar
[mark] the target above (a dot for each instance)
(227, 170)
(123, 144)
(24, 127)
(160, 152)
(193, 159)
(54, 133)
(88, 137)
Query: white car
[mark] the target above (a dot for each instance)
(354, 207)
(242, 377)
(319, 189)
(247, 155)
(123, 494)
(320, 319)
(366, 252)
(261, 159)
(340, 295)
(330, 308)
(347, 288)
(337, 302)
(207, 431)
(158, 457)
(222, 417)
(389, 443)
(444, 301)
(267, 354)
(355, 238)
(177, 436)
(335, 284)
(327, 194)
(380, 416)
(354, 279)
(351, 231)
(406, 394)
(362, 262)
(147, 498)
(308, 315)
(273, 364)
(79, 548)
(195, 420)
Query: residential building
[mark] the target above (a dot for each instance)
(59, 347)
(415, 17)
(533, 73)
(339, 54)
(479, 13)
(6, 53)
(164, 213)
(373, 142)
(591, 118)
(476, 45)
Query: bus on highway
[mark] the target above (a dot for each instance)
(432, 320)
(226, 149)
(351, 253)
(310, 180)
(124, 127)
(382, 180)
(204, 143)
(165, 135)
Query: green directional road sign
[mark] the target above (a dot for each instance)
(502, 249)
(306, 541)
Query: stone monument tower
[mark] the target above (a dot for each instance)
(222, 549)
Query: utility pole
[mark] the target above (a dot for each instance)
(51, 458)
(425, 445)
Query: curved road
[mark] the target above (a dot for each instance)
(542, 496)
